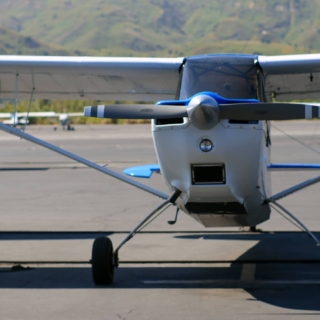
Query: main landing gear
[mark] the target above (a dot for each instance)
(69, 128)
(104, 260)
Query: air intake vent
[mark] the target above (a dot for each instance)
(208, 174)
(216, 208)
(244, 121)
(161, 122)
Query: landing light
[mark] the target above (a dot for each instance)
(206, 145)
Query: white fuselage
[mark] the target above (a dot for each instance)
(240, 148)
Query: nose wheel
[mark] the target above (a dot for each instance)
(102, 261)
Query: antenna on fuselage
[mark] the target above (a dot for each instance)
(172, 222)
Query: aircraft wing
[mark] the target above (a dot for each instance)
(140, 79)
(89, 78)
(291, 77)
(37, 114)
(71, 114)
(5, 115)
(45, 114)
(40, 114)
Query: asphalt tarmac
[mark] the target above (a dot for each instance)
(52, 209)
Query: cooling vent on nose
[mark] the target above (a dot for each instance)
(161, 122)
(208, 174)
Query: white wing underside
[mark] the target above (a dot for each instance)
(140, 79)
(292, 76)
(89, 78)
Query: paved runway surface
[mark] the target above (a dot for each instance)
(53, 208)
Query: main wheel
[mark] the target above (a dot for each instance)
(102, 261)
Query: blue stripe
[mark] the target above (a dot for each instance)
(293, 166)
(218, 98)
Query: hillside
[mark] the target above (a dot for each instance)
(159, 27)
(11, 42)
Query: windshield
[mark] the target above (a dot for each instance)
(230, 76)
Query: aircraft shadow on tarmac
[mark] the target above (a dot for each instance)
(54, 235)
(285, 270)
(24, 169)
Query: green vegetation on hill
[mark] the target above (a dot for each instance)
(11, 42)
(159, 27)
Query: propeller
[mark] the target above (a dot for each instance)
(269, 111)
(206, 109)
(136, 111)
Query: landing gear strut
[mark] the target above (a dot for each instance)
(104, 260)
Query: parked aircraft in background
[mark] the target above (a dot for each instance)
(21, 118)
(211, 129)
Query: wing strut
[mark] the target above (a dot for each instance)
(304, 228)
(15, 101)
(30, 102)
(86, 162)
(286, 193)
(295, 188)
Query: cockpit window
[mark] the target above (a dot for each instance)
(231, 76)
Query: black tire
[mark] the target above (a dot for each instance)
(253, 229)
(102, 261)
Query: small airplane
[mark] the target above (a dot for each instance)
(210, 126)
(21, 118)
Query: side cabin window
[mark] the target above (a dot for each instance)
(230, 76)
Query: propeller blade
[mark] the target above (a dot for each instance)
(269, 111)
(136, 111)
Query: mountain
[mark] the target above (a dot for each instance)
(12, 42)
(158, 27)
